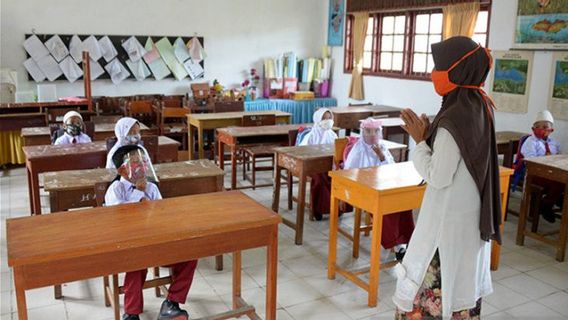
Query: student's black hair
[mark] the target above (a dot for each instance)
(120, 153)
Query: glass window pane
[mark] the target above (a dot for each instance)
(386, 61)
(430, 65)
(480, 38)
(397, 61)
(422, 23)
(386, 43)
(368, 43)
(419, 62)
(481, 24)
(434, 39)
(421, 43)
(370, 25)
(398, 43)
(436, 23)
(400, 24)
(367, 59)
(388, 25)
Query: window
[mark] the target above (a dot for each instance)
(399, 44)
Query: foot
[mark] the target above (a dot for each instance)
(400, 254)
(547, 213)
(318, 216)
(130, 317)
(171, 311)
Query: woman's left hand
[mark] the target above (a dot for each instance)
(417, 127)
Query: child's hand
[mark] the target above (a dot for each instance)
(379, 152)
(141, 185)
(144, 199)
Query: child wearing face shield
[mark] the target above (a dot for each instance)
(73, 126)
(133, 184)
(127, 132)
(370, 151)
(541, 144)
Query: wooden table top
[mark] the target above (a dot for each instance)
(363, 109)
(233, 115)
(383, 108)
(382, 178)
(16, 105)
(48, 150)
(391, 122)
(102, 230)
(322, 150)
(559, 161)
(273, 130)
(506, 136)
(21, 114)
(99, 127)
(79, 179)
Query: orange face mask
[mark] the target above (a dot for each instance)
(441, 78)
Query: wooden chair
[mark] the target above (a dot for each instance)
(201, 94)
(143, 111)
(109, 106)
(105, 119)
(229, 106)
(340, 145)
(173, 123)
(254, 152)
(150, 144)
(112, 293)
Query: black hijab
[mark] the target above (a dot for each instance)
(468, 118)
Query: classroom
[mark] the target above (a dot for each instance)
(291, 160)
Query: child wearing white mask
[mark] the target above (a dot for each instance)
(321, 132)
(127, 131)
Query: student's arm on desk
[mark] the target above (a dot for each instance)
(437, 168)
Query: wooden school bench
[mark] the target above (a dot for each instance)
(553, 168)
(348, 117)
(209, 121)
(380, 191)
(305, 161)
(64, 247)
(46, 158)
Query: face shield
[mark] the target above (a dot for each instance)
(371, 136)
(139, 167)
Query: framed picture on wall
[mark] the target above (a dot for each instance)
(558, 94)
(510, 80)
(336, 22)
(542, 25)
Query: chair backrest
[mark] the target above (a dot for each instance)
(258, 120)
(292, 136)
(172, 102)
(229, 106)
(200, 90)
(100, 191)
(170, 115)
(518, 164)
(105, 119)
(54, 115)
(339, 145)
(150, 143)
(108, 105)
(143, 111)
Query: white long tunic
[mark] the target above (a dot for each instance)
(448, 221)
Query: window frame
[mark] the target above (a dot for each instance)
(409, 43)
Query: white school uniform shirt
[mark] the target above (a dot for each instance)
(362, 155)
(534, 147)
(449, 222)
(68, 139)
(123, 191)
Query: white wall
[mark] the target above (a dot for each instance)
(239, 34)
(420, 95)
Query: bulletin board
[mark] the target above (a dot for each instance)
(117, 41)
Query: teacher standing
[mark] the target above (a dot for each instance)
(446, 269)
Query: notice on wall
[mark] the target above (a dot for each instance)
(558, 93)
(510, 80)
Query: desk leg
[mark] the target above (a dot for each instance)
(190, 141)
(236, 279)
(561, 250)
(525, 205)
(333, 225)
(219, 262)
(271, 274)
(375, 259)
(220, 155)
(200, 139)
(30, 188)
(277, 186)
(20, 294)
(290, 182)
(495, 247)
(233, 167)
(34, 185)
(300, 210)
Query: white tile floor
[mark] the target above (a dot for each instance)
(530, 283)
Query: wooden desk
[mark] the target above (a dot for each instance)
(17, 121)
(553, 168)
(46, 158)
(304, 161)
(380, 190)
(348, 117)
(235, 136)
(65, 247)
(36, 136)
(502, 139)
(41, 106)
(208, 121)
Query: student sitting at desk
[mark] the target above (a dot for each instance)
(73, 127)
(370, 151)
(320, 133)
(131, 185)
(541, 144)
(127, 131)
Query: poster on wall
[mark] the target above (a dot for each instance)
(511, 76)
(558, 95)
(336, 22)
(542, 24)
